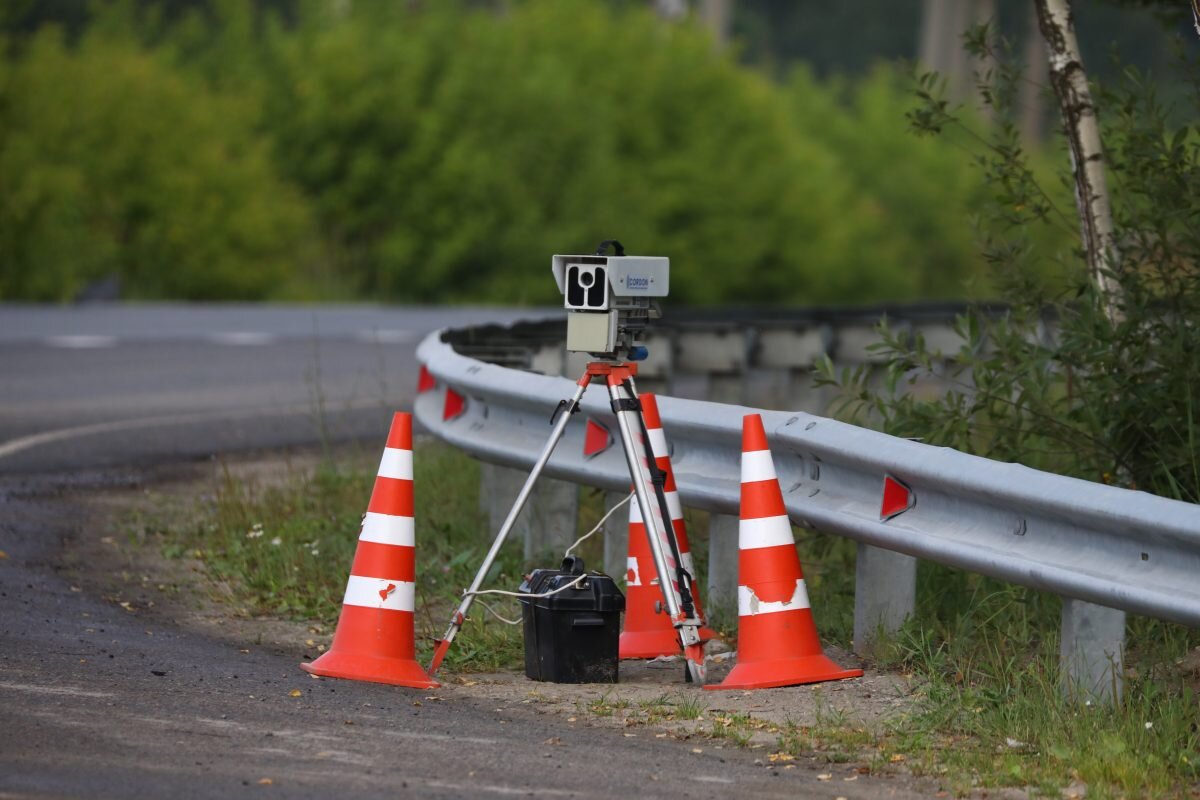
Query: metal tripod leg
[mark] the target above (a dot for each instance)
(460, 614)
(630, 424)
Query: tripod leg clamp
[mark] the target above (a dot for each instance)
(571, 407)
(626, 404)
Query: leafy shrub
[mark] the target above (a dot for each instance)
(114, 163)
(923, 193)
(449, 151)
(1059, 382)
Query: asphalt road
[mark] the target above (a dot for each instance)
(113, 385)
(98, 702)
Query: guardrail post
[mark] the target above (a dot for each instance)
(721, 600)
(546, 524)
(790, 355)
(885, 593)
(616, 537)
(719, 354)
(1092, 651)
(655, 373)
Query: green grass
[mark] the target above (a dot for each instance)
(285, 548)
(982, 654)
(991, 711)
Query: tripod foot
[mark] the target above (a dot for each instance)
(438, 654)
(695, 663)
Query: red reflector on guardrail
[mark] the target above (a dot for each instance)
(897, 498)
(426, 381)
(596, 439)
(455, 405)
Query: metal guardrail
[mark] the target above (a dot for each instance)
(1119, 548)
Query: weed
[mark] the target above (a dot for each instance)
(660, 702)
(605, 706)
(690, 707)
(286, 548)
(733, 727)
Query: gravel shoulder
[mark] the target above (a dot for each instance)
(650, 702)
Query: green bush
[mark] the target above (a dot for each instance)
(923, 193)
(113, 163)
(446, 151)
(451, 151)
(1058, 382)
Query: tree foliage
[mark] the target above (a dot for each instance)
(1056, 382)
(444, 151)
(112, 163)
(451, 151)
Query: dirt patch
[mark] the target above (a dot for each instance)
(122, 564)
(654, 693)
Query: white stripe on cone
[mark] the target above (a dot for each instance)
(387, 529)
(658, 442)
(764, 532)
(673, 505)
(749, 605)
(674, 508)
(632, 573)
(757, 466)
(396, 463)
(380, 593)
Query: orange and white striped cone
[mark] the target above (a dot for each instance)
(777, 640)
(374, 640)
(648, 632)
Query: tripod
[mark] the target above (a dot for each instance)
(648, 481)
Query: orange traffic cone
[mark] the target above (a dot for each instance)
(374, 637)
(648, 633)
(777, 640)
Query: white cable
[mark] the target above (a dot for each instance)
(508, 621)
(499, 616)
(563, 588)
(599, 524)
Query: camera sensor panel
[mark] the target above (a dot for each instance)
(586, 287)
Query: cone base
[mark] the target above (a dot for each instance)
(393, 671)
(784, 672)
(652, 644)
(649, 644)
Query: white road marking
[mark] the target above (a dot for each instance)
(470, 789)
(387, 336)
(48, 437)
(69, 691)
(241, 338)
(21, 443)
(438, 737)
(80, 341)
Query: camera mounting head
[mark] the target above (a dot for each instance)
(610, 299)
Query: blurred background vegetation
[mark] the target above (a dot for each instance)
(417, 152)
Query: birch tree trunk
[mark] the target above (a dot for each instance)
(1083, 139)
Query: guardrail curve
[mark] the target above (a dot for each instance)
(1115, 547)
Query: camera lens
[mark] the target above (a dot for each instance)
(586, 278)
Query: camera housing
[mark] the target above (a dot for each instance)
(610, 299)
